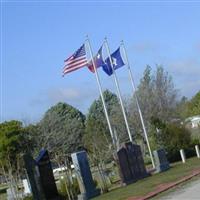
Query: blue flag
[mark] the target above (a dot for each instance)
(98, 60)
(117, 62)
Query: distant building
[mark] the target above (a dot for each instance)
(57, 172)
(193, 122)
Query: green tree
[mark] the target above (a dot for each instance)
(61, 129)
(170, 136)
(192, 107)
(96, 124)
(189, 107)
(36, 137)
(181, 108)
(14, 142)
(157, 98)
(97, 139)
(96, 121)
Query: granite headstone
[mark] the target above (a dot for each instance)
(84, 176)
(33, 177)
(131, 163)
(162, 163)
(46, 176)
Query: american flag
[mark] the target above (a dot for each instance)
(76, 61)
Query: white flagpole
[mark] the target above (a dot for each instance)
(118, 91)
(101, 93)
(137, 103)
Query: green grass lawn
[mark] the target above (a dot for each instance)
(3, 188)
(3, 196)
(144, 186)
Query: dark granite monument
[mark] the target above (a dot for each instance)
(33, 177)
(162, 163)
(84, 176)
(131, 163)
(46, 176)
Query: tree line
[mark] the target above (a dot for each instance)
(64, 129)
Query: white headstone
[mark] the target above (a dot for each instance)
(26, 187)
(182, 155)
(10, 195)
(197, 151)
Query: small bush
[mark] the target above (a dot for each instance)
(176, 138)
(190, 152)
(3, 190)
(28, 198)
(62, 187)
(73, 188)
(172, 137)
(147, 160)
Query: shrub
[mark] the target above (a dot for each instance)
(175, 138)
(172, 137)
(3, 190)
(28, 198)
(73, 187)
(190, 152)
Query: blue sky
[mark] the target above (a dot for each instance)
(38, 36)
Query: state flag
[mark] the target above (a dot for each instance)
(98, 61)
(117, 62)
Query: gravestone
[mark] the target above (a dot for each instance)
(84, 176)
(131, 163)
(26, 187)
(182, 153)
(33, 177)
(10, 194)
(162, 163)
(46, 176)
(197, 151)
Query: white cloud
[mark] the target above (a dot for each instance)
(190, 88)
(186, 74)
(62, 94)
(186, 67)
(80, 98)
(145, 47)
